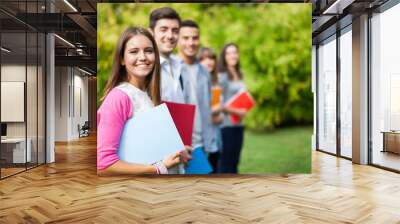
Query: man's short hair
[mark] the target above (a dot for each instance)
(163, 13)
(189, 23)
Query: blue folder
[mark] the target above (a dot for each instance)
(199, 163)
(149, 136)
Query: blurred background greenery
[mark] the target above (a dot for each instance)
(283, 150)
(275, 56)
(275, 51)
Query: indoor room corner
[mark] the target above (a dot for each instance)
(74, 105)
(48, 80)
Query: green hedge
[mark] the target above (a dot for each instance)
(274, 42)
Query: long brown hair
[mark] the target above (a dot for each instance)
(204, 53)
(118, 71)
(223, 67)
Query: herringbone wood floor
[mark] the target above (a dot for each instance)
(70, 192)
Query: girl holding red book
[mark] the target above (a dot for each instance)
(231, 79)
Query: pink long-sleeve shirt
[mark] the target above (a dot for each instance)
(111, 117)
(120, 104)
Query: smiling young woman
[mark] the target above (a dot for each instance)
(133, 86)
(231, 79)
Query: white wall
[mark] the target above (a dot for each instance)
(14, 73)
(61, 103)
(80, 100)
(71, 94)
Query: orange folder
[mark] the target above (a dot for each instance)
(183, 116)
(216, 95)
(241, 100)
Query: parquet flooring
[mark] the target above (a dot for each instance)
(69, 191)
(9, 171)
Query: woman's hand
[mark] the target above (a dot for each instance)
(217, 118)
(241, 113)
(172, 160)
(186, 154)
(178, 157)
(238, 112)
(218, 108)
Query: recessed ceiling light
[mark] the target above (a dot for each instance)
(84, 71)
(338, 6)
(5, 50)
(70, 5)
(64, 40)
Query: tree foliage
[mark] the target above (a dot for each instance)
(274, 42)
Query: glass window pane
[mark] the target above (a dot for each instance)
(32, 96)
(386, 89)
(15, 150)
(22, 87)
(346, 94)
(327, 96)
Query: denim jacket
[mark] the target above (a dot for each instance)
(203, 91)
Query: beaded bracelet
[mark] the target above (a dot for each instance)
(158, 170)
(161, 169)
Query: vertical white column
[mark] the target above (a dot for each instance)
(50, 94)
(50, 79)
(360, 90)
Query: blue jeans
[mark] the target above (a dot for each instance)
(213, 157)
(232, 141)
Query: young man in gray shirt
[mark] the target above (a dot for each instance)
(199, 80)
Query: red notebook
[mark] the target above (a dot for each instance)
(183, 116)
(241, 100)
